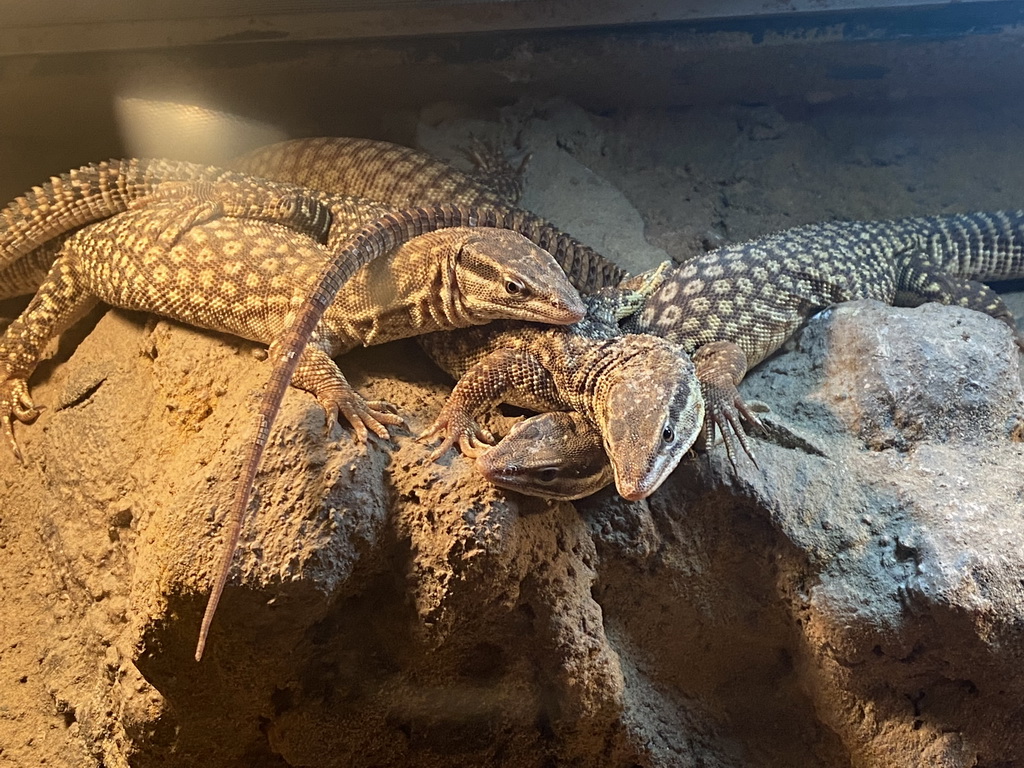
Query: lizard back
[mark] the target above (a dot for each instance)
(400, 176)
(757, 293)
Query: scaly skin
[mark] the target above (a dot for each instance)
(309, 307)
(254, 278)
(383, 176)
(94, 192)
(639, 391)
(351, 166)
(554, 455)
(744, 300)
(242, 276)
(399, 176)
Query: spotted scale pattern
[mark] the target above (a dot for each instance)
(482, 278)
(757, 293)
(400, 177)
(640, 392)
(748, 298)
(242, 276)
(379, 170)
(99, 190)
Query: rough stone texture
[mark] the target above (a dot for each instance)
(553, 133)
(856, 601)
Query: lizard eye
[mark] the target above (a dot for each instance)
(514, 288)
(547, 475)
(668, 434)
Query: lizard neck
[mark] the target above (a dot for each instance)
(598, 369)
(445, 300)
(413, 292)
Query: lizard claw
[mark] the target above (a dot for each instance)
(726, 409)
(364, 416)
(720, 368)
(16, 403)
(457, 428)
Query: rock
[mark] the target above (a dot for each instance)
(383, 609)
(866, 594)
(558, 186)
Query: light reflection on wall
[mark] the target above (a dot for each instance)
(172, 129)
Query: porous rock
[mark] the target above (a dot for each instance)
(852, 600)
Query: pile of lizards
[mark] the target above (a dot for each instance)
(316, 246)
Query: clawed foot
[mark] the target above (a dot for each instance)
(721, 366)
(16, 403)
(458, 428)
(726, 409)
(364, 416)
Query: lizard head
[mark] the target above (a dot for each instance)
(556, 455)
(498, 273)
(651, 413)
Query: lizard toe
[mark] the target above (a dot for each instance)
(16, 403)
(476, 444)
(727, 411)
(363, 416)
(458, 429)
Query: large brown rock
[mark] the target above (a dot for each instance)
(856, 600)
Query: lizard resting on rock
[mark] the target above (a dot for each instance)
(747, 299)
(308, 309)
(239, 276)
(259, 280)
(592, 366)
(92, 192)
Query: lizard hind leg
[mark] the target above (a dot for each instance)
(493, 169)
(58, 303)
(921, 282)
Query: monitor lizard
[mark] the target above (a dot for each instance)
(373, 173)
(641, 392)
(250, 277)
(572, 360)
(748, 298)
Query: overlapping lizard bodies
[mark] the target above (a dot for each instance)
(399, 176)
(561, 455)
(306, 313)
(241, 277)
(745, 299)
(91, 193)
(459, 276)
(206, 200)
(640, 391)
